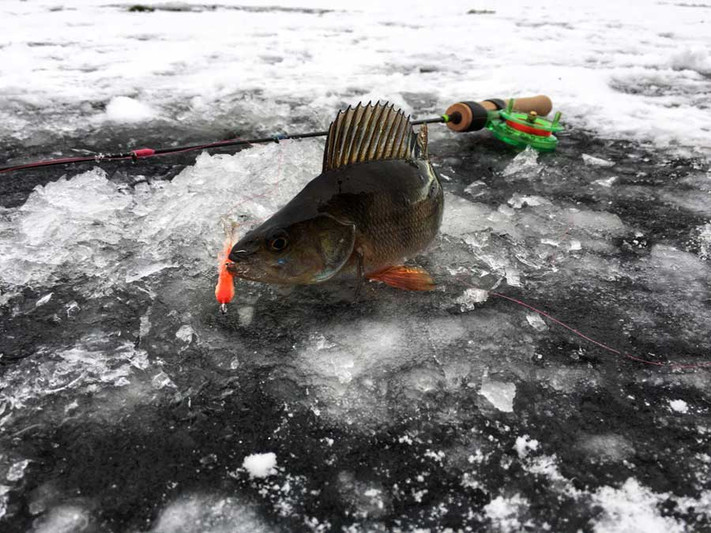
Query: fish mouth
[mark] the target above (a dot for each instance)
(233, 268)
(241, 270)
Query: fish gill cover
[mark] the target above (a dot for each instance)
(128, 403)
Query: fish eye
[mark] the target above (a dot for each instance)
(277, 244)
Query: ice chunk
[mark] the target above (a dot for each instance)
(162, 380)
(185, 333)
(518, 201)
(596, 161)
(680, 406)
(78, 368)
(606, 182)
(499, 393)
(536, 322)
(128, 110)
(476, 188)
(525, 164)
(470, 297)
(46, 298)
(17, 470)
(260, 464)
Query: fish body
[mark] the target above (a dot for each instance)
(377, 202)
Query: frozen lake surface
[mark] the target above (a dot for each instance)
(128, 403)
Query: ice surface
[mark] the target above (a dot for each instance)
(127, 399)
(607, 447)
(64, 519)
(394, 359)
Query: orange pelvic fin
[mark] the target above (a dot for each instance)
(406, 278)
(225, 289)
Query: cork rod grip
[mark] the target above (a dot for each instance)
(541, 104)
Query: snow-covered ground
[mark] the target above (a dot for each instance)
(128, 403)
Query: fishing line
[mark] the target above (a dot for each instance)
(705, 364)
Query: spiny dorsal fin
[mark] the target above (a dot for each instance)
(371, 132)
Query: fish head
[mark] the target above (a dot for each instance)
(299, 253)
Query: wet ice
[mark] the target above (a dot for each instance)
(360, 370)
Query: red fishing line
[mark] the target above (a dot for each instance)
(705, 364)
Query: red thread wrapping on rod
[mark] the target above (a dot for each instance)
(143, 152)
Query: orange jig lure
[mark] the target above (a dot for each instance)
(225, 288)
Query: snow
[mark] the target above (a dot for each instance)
(632, 508)
(505, 513)
(109, 63)
(128, 110)
(260, 464)
(680, 406)
(524, 445)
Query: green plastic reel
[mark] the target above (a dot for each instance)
(525, 129)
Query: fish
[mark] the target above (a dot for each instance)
(225, 288)
(377, 202)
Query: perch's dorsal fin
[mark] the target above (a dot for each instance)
(371, 132)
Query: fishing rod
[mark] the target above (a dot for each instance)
(519, 122)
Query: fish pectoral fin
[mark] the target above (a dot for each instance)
(403, 277)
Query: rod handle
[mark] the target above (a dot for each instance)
(473, 116)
